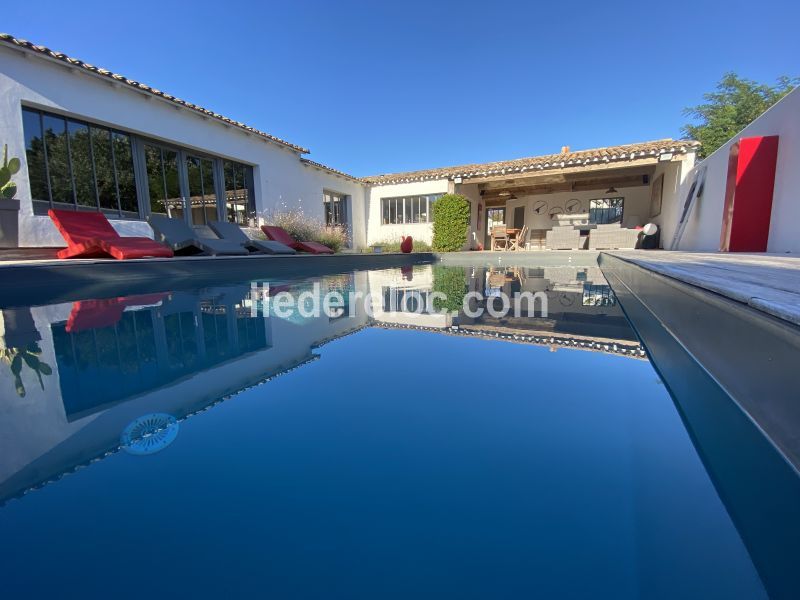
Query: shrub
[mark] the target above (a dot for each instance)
(309, 229)
(394, 246)
(450, 221)
(452, 282)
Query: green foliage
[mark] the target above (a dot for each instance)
(394, 246)
(452, 282)
(16, 358)
(450, 222)
(10, 167)
(734, 104)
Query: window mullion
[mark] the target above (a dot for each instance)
(114, 170)
(46, 161)
(69, 165)
(163, 175)
(94, 167)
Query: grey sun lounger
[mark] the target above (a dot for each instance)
(233, 233)
(177, 234)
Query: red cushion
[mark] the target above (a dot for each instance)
(94, 314)
(278, 234)
(313, 247)
(88, 249)
(135, 247)
(80, 227)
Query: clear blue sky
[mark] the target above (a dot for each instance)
(372, 87)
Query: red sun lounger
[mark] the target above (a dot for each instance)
(90, 235)
(96, 314)
(279, 234)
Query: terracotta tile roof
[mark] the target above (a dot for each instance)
(611, 154)
(329, 169)
(52, 54)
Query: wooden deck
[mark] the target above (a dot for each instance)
(766, 282)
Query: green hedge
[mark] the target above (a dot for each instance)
(452, 282)
(450, 223)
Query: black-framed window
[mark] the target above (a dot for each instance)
(603, 211)
(335, 208)
(163, 181)
(78, 165)
(408, 209)
(202, 189)
(240, 205)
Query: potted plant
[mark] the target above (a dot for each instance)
(9, 206)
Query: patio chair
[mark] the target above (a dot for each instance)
(520, 241)
(233, 233)
(563, 238)
(499, 237)
(179, 236)
(90, 235)
(279, 234)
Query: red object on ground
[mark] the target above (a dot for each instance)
(279, 234)
(95, 314)
(748, 194)
(90, 235)
(407, 244)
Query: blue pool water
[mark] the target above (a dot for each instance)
(173, 444)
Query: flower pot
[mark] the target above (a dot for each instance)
(9, 223)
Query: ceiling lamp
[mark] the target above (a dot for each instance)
(611, 190)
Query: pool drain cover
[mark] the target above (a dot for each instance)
(149, 434)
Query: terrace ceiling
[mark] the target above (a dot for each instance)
(498, 191)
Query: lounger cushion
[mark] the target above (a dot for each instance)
(79, 227)
(233, 233)
(88, 249)
(271, 247)
(279, 234)
(313, 247)
(180, 237)
(90, 235)
(135, 247)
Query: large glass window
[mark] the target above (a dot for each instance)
(34, 151)
(126, 181)
(57, 149)
(408, 209)
(603, 211)
(72, 164)
(82, 170)
(80, 165)
(202, 194)
(239, 204)
(104, 168)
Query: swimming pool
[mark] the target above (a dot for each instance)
(204, 442)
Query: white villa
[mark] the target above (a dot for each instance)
(90, 139)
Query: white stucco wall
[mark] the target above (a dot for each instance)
(705, 224)
(282, 180)
(377, 232)
(675, 173)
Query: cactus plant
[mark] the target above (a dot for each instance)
(15, 358)
(10, 167)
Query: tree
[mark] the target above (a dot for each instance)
(450, 222)
(734, 104)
